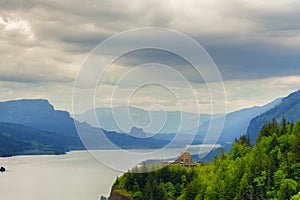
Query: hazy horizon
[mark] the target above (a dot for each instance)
(137, 107)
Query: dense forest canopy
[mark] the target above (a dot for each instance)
(269, 169)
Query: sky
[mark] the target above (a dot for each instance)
(254, 43)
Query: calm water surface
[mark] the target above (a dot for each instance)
(74, 176)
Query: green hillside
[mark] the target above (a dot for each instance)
(270, 169)
(17, 139)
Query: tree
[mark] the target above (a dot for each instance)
(159, 192)
(274, 125)
(170, 189)
(138, 195)
(296, 197)
(223, 154)
(296, 171)
(266, 170)
(244, 140)
(261, 183)
(283, 129)
(287, 189)
(245, 190)
(296, 143)
(193, 189)
(148, 193)
(296, 128)
(278, 177)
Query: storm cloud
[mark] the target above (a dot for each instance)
(43, 43)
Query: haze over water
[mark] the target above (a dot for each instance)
(74, 176)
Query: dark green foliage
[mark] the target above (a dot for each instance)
(296, 142)
(270, 169)
(287, 189)
(166, 183)
(18, 140)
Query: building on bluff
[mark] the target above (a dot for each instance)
(185, 159)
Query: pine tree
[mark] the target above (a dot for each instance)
(148, 193)
(296, 143)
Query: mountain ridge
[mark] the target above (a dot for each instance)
(288, 108)
(16, 139)
(39, 114)
(32, 123)
(140, 117)
(237, 122)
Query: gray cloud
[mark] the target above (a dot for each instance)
(44, 42)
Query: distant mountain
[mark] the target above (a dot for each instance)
(125, 141)
(96, 139)
(35, 127)
(39, 114)
(236, 123)
(141, 118)
(17, 139)
(289, 107)
(137, 132)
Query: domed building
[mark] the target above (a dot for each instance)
(185, 159)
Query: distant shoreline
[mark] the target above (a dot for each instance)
(85, 150)
(42, 154)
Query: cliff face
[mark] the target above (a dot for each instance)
(116, 194)
(38, 114)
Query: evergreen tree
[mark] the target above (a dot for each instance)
(270, 169)
(148, 193)
(287, 189)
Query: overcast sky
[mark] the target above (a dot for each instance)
(254, 43)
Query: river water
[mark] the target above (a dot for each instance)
(74, 176)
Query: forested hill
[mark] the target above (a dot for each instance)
(289, 108)
(270, 169)
(17, 139)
